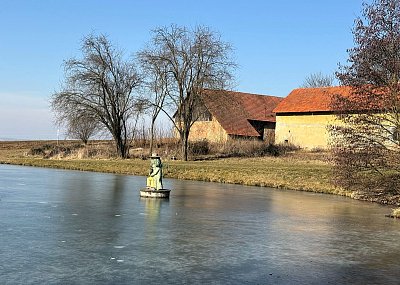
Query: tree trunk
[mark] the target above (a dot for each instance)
(122, 149)
(151, 137)
(185, 145)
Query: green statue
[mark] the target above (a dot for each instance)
(154, 180)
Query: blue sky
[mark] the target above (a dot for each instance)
(276, 44)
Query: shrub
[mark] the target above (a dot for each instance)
(281, 149)
(274, 150)
(252, 148)
(36, 151)
(241, 147)
(317, 150)
(201, 147)
(51, 150)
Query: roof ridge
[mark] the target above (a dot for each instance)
(241, 92)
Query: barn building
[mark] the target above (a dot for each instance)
(227, 115)
(303, 117)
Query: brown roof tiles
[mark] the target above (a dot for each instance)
(233, 110)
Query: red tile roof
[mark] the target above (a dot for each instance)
(233, 110)
(306, 100)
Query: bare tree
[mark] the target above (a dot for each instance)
(101, 85)
(366, 144)
(82, 127)
(156, 86)
(183, 63)
(318, 80)
(79, 125)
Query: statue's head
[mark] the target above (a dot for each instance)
(155, 159)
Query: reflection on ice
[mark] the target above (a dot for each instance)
(205, 234)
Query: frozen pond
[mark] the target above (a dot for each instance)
(67, 227)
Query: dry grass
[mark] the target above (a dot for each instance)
(305, 171)
(294, 171)
(268, 171)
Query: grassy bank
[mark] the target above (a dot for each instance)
(297, 172)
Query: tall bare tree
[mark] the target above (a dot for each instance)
(367, 145)
(318, 80)
(156, 88)
(101, 85)
(185, 62)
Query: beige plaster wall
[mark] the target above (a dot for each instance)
(210, 130)
(306, 131)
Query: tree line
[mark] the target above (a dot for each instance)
(103, 90)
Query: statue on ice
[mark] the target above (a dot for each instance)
(154, 185)
(154, 180)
